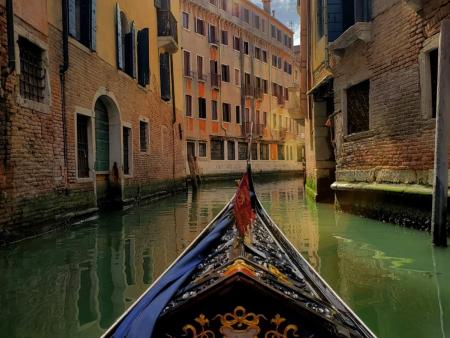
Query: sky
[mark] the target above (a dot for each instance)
(286, 12)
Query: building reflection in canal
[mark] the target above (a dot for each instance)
(76, 283)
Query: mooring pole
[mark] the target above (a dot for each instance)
(440, 184)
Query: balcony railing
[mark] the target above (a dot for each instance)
(249, 90)
(259, 93)
(256, 131)
(280, 100)
(202, 77)
(167, 30)
(215, 80)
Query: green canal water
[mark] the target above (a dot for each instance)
(75, 283)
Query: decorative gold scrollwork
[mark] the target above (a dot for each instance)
(203, 321)
(240, 323)
(276, 334)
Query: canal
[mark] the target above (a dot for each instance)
(75, 283)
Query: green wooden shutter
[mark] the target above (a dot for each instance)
(101, 137)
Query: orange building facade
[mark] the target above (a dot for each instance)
(238, 72)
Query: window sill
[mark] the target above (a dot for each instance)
(85, 179)
(42, 107)
(359, 136)
(81, 46)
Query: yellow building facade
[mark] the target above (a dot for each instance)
(238, 66)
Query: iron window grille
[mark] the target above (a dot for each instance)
(32, 71)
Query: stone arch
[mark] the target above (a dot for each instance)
(108, 149)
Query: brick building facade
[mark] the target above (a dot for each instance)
(376, 103)
(106, 131)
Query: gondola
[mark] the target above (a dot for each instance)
(234, 282)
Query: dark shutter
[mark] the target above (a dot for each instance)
(133, 50)
(85, 23)
(143, 57)
(129, 57)
(164, 76)
(119, 46)
(72, 18)
(93, 24)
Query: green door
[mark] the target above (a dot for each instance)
(101, 137)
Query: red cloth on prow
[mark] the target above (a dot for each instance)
(243, 212)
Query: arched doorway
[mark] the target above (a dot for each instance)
(107, 153)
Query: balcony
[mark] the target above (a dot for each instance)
(256, 131)
(280, 100)
(248, 90)
(359, 31)
(202, 77)
(215, 80)
(167, 31)
(259, 93)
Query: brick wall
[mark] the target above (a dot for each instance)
(400, 137)
(37, 189)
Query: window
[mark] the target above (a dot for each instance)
(212, 35)
(256, 21)
(225, 38)
(246, 47)
(433, 56)
(254, 151)
(258, 118)
(263, 151)
(238, 114)
(358, 107)
(217, 150)
(274, 31)
(265, 86)
(213, 110)
(247, 79)
(82, 146)
(200, 26)
(187, 63)
(185, 20)
(274, 60)
(82, 22)
(286, 94)
(202, 149)
(165, 77)
(188, 105)
(279, 62)
(226, 112)
(280, 152)
(126, 43)
(200, 68)
(264, 56)
(126, 150)
(278, 35)
(242, 150)
(263, 25)
(258, 53)
(231, 150)
(246, 15)
(224, 5)
(235, 10)
(319, 18)
(265, 119)
(225, 73)
(32, 71)
(236, 43)
(190, 147)
(202, 107)
(237, 77)
(143, 135)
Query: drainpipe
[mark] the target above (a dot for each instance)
(174, 116)
(62, 71)
(10, 34)
(11, 68)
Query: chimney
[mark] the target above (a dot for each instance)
(266, 5)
